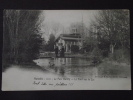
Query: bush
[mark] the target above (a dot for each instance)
(121, 55)
(96, 54)
(105, 53)
(22, 45)
(74, 48)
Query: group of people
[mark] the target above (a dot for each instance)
(59, 53)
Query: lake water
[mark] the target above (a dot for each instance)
(81, 67)
(105, 76)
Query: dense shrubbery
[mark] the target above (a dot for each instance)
(96, 54)
(50, 45)
(110, 33)
(75, 48)
(21, 38)
(120, 56)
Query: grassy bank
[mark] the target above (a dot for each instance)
(110, 68)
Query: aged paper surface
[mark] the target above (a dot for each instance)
(66, 50)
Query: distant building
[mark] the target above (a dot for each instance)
(67, 40)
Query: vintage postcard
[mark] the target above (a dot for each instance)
(66, 50)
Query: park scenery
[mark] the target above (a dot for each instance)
(67, 44)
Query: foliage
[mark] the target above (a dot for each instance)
(121, 56)
(21, 38)
(75, 48)
(50, 44)
(113, 25)
(89, 44)
(110, 32)
(96, 54)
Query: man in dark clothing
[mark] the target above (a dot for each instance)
(56, 51)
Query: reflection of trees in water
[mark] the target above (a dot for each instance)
(81, 67)
(62, 70)
(71, 61)
(59, 65)
(60, 61)
(82, 70)
(73, 66)
(56, 69)
(59, 69)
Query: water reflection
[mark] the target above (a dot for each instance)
(79, 67)
(68, 66)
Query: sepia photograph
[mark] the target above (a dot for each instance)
(66, 50)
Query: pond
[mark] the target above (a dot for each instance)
(81, 67)
(20, 77)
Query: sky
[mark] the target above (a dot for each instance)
(66, 17)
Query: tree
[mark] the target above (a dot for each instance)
(51, 42)
(51, 27)
(79, 28)
(113, 26)
(56, 28)
(21, 38)
(90, 40)
(75, 48)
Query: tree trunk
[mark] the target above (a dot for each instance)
(122, 51)
(16, 49)
(112, 48)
